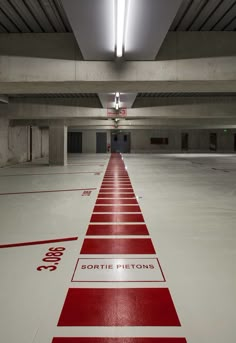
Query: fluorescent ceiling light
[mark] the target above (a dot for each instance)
(120, 26)
(117, 95)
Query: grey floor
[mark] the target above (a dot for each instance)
(188, 203)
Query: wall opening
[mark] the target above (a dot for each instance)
(213, 141)
(74, 142)
(184, 141)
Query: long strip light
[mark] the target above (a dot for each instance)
(117, 101)
(120, 26)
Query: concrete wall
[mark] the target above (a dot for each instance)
(44, 142)
(58, 145)
(3, 141)
(36, 143)
(18, 144)
(15, 143)
(89, 139)
(140, 140)
(199, 140)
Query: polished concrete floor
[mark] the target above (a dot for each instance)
(133, 249)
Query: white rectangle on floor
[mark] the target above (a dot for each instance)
(120, 269)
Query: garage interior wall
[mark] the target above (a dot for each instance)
(15, 143)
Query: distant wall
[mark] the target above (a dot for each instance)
(199, 140)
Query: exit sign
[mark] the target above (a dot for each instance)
(122, 112)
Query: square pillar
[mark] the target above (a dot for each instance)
(58, 145)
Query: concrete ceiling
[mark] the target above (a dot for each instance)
(92, 23)
(147, 23)
(206, 15)
(49, 16)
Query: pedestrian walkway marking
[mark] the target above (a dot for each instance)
(117, 306)
(117, 246)
(117, 229)
(125, 307)
(117, 270)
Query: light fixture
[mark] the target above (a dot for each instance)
(120, 26)
(117, 101)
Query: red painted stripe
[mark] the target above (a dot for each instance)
(112, 190)
(119, 178)
(117, 208)
(14, 245)
(118, 307)
(117, 218)
(116, 183)
(117, 246)
(116, 195)
(116, 201)
(116, 189)
(118, 340)
(117, 229)
(51, 191)
(116, 174)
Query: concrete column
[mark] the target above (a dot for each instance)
(58, 145)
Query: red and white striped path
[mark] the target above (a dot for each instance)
(118, 302)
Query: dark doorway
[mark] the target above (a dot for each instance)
(184, 141)
(30, 144)
(235, 142)
(120, 142)
(101, 142)
(74, 142)
(213, 142)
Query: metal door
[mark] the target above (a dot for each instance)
(74, 142)
(120, 142)
(101, 142)
(184, 141)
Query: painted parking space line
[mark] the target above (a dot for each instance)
(50, 191)
(14, 245)
(117, 246)
(48, 174)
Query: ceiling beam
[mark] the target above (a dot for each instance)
(40, 111)
(35, 75)
(87, 124)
